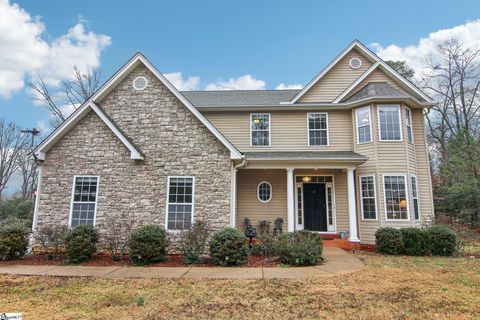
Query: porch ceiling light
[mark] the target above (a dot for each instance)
(306, 179)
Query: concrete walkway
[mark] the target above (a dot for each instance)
(337, 261)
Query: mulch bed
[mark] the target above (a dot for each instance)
(105, 260)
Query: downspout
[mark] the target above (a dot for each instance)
(233, 214)
(35, 209)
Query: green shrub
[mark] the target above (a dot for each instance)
(300, 248)
(443, 241)
(193, 242)
(81, 243)
(416, 242)
(148, 245)
(389, 241)
(265, 246)
(228, 248)
(13, 241)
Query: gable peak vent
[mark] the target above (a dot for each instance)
(355, 63)
(140, 83)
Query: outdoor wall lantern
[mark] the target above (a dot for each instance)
(306, 179)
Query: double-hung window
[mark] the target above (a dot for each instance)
(367, 194)
(180, 201)
(260, 129)
(364, 125)
(389, 123)
(396, 205)
(317, 129)
(416, 211)
(408, 122)
(84, 200)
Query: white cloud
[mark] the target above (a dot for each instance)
(416, 55)
(176, 78)
(246, 82)
(283, 86)
(24, 52)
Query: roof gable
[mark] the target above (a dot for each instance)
(345, 78)
(337, 79)
(109, 85)
(55, 136)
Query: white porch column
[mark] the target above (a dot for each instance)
(290, 200)
(352, 211)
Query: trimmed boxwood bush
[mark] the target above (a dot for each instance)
(300, 248)
(389, 240)
(416, 242)
(228, 247)
(81, 243)
(13, 241)
(148, 245)
(443, 241)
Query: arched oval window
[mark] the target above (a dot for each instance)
(264, 191)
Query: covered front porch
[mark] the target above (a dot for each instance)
(310, 191)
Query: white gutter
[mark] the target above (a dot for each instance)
(233, 204)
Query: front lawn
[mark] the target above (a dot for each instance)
(391, 287)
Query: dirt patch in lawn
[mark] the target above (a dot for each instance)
(106, 260)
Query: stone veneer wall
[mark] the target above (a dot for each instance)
(174, 141)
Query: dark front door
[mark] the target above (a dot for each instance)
(314, 207)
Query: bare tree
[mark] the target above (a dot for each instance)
(27, 168)
(454, 81)
(73, 93)
(12, 143)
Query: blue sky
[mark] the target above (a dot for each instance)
(271, 41)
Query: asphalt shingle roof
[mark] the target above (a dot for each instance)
(376, 89)
(239, 97)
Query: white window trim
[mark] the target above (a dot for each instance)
(409, 126)
(370, 124)
(138, 88)
(70, 216)
(271, 192)
(399, 119)
(385, 196)
(374, 196)
(269, 130)
(308, 130)
(192, 219)
(413, 176)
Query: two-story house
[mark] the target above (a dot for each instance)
(347, 153)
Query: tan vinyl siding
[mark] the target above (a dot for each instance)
(248, 205)
(288, 130)
(424, 182)
(336, 80)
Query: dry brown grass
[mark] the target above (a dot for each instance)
(389, 288)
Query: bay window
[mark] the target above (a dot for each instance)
(396, 205)
(389, 123)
